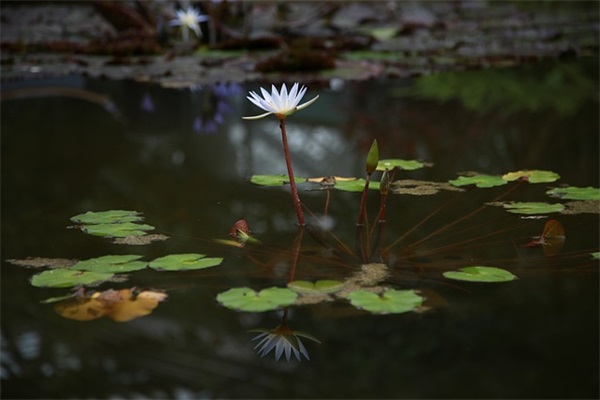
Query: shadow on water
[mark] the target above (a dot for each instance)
(184, 158)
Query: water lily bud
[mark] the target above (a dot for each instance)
(372, 158)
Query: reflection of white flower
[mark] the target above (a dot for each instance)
(283, 340)
(281, 103)
(188, 19)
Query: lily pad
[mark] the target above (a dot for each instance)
(532, 207)
(596, 255)
(322, 286)
(274, 180)
(357, 185)
(246, 299)
(408, 165)
(575, 193)
(532, 176)
(111, 264)
(107, 217)
(392, 301)
(61, 278)
(480, 274)
(481, 181)
(185, 262)
(117, 230)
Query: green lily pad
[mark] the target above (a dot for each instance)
(357, 185)
(532, 176)
(481, 181)
(246, 299)
(322, 286)
(111, 264)
(107, 217)
(532, 207)
(596, 255)
(119, 230)
(480, 274)
(274, 180)
(185, 262)
(575, 193)
(61, 278)
(408, 165)
(390, 302)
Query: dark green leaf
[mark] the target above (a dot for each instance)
(184, 262)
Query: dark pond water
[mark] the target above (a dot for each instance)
(184, 157)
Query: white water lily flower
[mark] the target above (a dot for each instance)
(280, 103)
(188, 19)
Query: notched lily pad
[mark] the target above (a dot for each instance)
(391, 301)
(532, 176)
(480, 274)
(111, 264)
(107, 217)
(185, 262)
(274, 180)
(408, 165)
(246, 299)
(530, 207)
(61, 278)
(318, 287)
(120, 230)
(575, 193)
(479, 180)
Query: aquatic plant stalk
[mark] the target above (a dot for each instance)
(288, 162)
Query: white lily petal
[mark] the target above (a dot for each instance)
(258, 116)
(308, 103)
(294, 95)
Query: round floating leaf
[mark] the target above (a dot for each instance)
(274, 180)
(575, 193)
(481, 274)
(117, 230)
(595, 255)
(107, 217)
(356, 185)
(246, 299)
(532, 207)
(390, 302)
(60, 278)
(408, 165)
(533, 176)
(185, 262)
(481, 181)
(322, 286)
(111, 264)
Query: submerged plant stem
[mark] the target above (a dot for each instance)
(288, 161)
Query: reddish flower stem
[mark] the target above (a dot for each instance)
(288, 162)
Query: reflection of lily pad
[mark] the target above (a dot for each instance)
(117, 230)
(322, 286)
(184, 262)
(481, 274)
(59, 278)
(112, 264)
(107, 217)
(390, 302)
(532, 207)
(408, 165)
(532, 176)
(575, 193)
(246, 299)
(273, 180)
(481, 181)
(421, 188)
